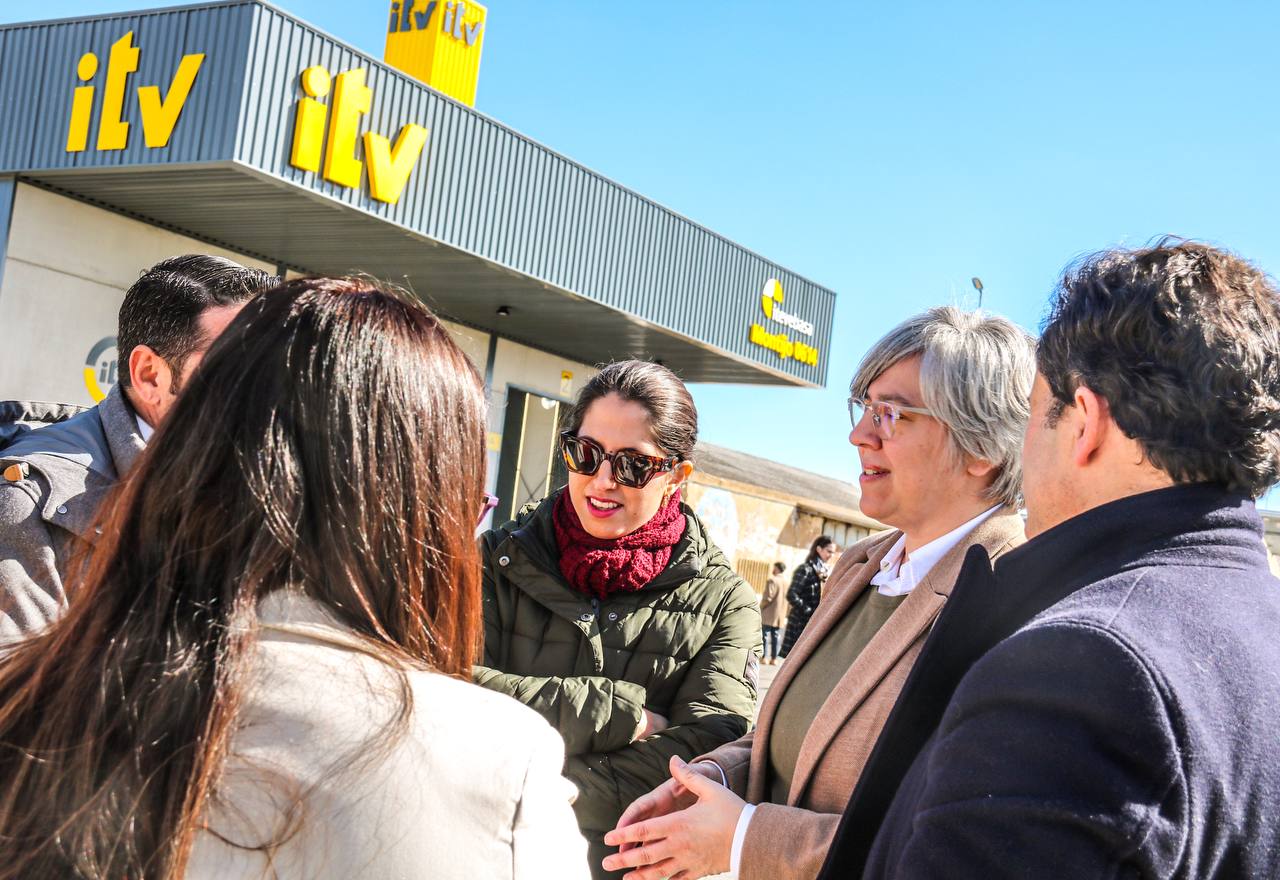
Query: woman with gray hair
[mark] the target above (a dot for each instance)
(938, 408)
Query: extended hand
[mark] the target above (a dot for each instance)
(695, 840)
(667, 798)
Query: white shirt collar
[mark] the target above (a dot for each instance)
(896, 578)
(144, 430)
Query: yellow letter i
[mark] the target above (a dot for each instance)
(308, 128)
(82, 104)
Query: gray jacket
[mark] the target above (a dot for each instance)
(54, 479)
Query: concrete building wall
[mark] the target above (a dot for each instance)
(746, 527)
(557, 380)
(474, 343)
(67, 266)
(1271, 537)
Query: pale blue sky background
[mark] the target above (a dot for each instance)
(889, 151)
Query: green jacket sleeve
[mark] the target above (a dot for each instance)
(714, 705)
(592, 713)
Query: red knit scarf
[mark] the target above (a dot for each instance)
(601, 566)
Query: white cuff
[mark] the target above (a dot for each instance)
(739, 835)
(724, 780)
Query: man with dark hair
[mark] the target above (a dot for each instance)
(1103, 701)
(54, 477)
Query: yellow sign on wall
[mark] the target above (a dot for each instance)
(438, 43)
(780, 343)
(388, 165)
(159, 113)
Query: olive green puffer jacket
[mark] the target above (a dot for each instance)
(685, 646)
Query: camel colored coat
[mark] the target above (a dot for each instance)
(789, 842)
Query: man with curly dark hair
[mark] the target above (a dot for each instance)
(1103, 701)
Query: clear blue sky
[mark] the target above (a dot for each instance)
(890, 151)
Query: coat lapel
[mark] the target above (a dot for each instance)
(847, 581)
(907, 624)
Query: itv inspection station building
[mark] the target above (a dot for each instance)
(234, 128)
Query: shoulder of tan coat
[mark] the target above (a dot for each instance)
(998, 534)
(856, 556)
(1010, 532)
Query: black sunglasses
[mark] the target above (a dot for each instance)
(630, 468)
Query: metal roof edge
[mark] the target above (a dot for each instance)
(214, 4)
(142, 218)
(413, 233)
(283, 183)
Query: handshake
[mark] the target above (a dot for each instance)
(684, 827)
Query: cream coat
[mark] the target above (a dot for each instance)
(467, 785)
(789, 841)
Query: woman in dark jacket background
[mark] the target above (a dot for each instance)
(609, 610)
(806, 589)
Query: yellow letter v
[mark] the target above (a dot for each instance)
(159, 118)
(389, 168)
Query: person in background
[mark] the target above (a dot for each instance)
(773, 611)
(265, 671)
(806, 589)
(937, 410)
(608, 608)
(55, 477)
(1105, 697)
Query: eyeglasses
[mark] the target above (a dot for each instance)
(884, 415)
(630, 468)
(488, 503)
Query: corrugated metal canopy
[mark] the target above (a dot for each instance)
(239, 209)
(488, 218)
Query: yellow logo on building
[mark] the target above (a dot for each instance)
(100, 368)
(389, 165)
(159, 113)
(438, 43)
(772, 294)
(780, 343)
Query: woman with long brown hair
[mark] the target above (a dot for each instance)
(264, 671)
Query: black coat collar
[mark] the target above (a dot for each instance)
(987, 606)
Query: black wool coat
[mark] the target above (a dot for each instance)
(1104, 703)
(802, 600)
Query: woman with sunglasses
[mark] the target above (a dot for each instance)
(609, 610)
(938, 408)
(263, 672)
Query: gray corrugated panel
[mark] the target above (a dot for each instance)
(599, 216)
(39, 69)
(491, 195)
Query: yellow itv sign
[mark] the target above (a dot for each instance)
(159, 113)
(389, 165)
(438, 43)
